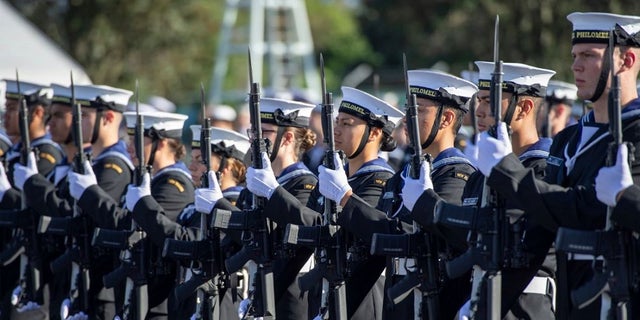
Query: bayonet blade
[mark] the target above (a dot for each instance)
(496, 41)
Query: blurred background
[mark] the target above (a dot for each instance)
(173, 46)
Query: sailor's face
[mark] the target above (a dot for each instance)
(197, 168)
(11, 117)
(348, 131)
(88, 121)
(483, 109)
(60, 122)
(427, 112)
(586, 67)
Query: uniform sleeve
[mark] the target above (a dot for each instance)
(627, 210)
(549, 205)
(43, 197)
(284, 208)
(371, 188)
(150, 216)
(11, 199)
(173, 193)
(48, 158)
(101, 202)
(301, 187)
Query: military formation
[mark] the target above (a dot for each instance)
(534, 216)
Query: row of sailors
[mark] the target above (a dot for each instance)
(374, 198)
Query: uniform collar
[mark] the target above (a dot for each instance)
(449, 156)
(374, 165)
(178, 166)
(539, 150)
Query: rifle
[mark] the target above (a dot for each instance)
(419, 246)
(131, 243)
(328, 239)
(488, 251)
(204, 253)
(257, 230)
(614, 280)
(24, 235)
(77, 256)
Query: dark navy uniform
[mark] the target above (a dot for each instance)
(173, 190)
(48, 156)
(103, 204)
(567, 195)
(533, 304)
(363, 297)
(450, 172)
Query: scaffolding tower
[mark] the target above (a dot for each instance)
(279, 37)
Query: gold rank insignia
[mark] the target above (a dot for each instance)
(380, 182)
(114, 167)
(176, 184)
(309, 186)
(47, 156)
(462, 176)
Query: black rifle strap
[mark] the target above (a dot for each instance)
(434, 128)
(276, 143)
(604, 76)
(96, 126)
(363, 142)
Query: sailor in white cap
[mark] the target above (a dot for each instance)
(222, 116)
(43, 156)
(106, 176)
(523, 93)
(442, 102)
(567, 197)
(557, 113)
(285, 124)
(228, 149)
(170, 187)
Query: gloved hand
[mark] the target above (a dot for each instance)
(262, 182)
(243, 308)
(413, 189)
(206, 198)
(465, 312)
(613, 180)
(4, 182)
(492, 150)
(471, 151)
(135, 193)
(334, 184)
(23, 173)
(78, 183)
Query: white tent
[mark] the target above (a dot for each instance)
(36, 57)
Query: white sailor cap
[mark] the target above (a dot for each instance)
(226, 143)
(441, 87)
(470, 75)
(157, 124)
(222, 112)
(32, 92)
(95, 96)
(560, 91)
(161, 103)
(142, 107)
(285, 113)
(376, 112)
(518, 78)
(595, 27)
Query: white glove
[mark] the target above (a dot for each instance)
(206, 198)
(4, 182)
(135, 193)
(23, 173)
(334, 184)
(471, 151)
(262, 182)
(413, 189)
(613, 180)
(492, 150)
(78, 183)
(465, 312)
(243, 308)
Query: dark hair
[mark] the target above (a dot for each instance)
(388, 143)
(305, 139)
(238, 170)
(178, 148)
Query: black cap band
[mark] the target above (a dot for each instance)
(367, 116)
